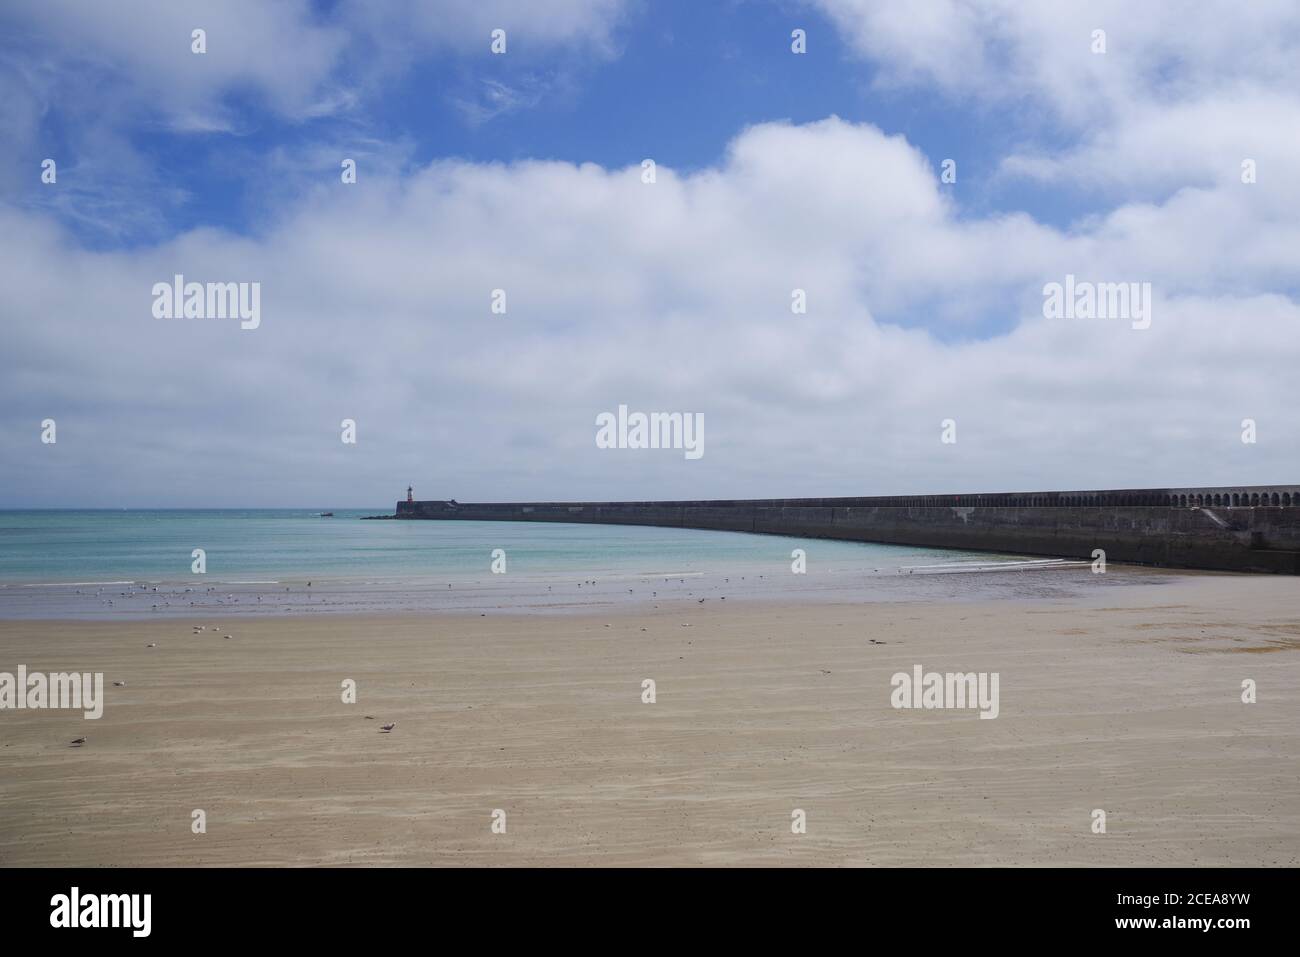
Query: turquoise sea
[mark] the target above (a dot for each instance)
(99, 563)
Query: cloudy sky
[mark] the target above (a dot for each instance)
(523, 171)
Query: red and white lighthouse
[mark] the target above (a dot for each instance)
(409, 490)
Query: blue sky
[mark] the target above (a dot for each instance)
(682, 80)
(777, 172)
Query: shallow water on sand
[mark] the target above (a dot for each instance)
(111, 564)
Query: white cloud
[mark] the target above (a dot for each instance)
(272, 49)
(1183, 93)
(1004, 50)
(129, 64)
(672, 296)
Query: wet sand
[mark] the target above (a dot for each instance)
(1127, 700)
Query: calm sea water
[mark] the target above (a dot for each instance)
(113, 563)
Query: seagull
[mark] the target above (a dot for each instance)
(119, 684)
(78, 742)
(389, 727)
(152, 644)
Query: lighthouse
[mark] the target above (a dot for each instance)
(409, 497)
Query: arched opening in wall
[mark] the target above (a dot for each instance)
(1276, 499)
(1286, 498)
(1218, 500)
(1254, 499)
(1236, 499)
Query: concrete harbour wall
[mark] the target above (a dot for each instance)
(1244, 528)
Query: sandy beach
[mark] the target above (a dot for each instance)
(1127, 701)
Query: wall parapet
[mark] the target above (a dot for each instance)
(1240, 528)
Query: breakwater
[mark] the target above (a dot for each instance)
(1235, 528)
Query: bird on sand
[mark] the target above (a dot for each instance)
(389, 727)
(78, 742)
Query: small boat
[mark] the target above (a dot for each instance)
(326, 514)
